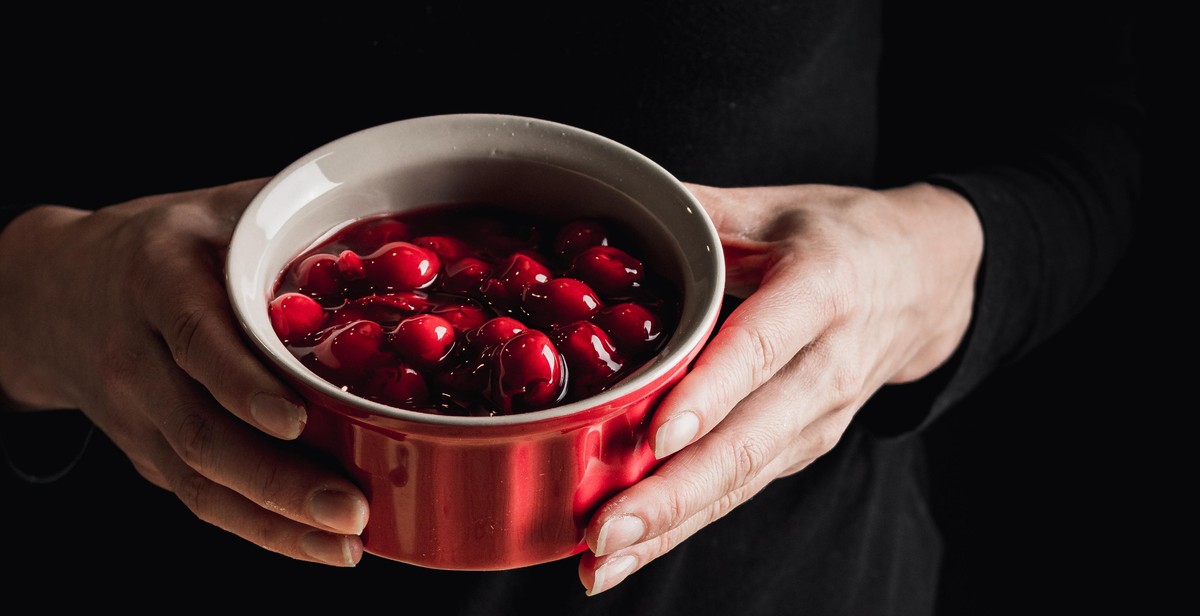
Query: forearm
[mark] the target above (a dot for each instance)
(946, 249)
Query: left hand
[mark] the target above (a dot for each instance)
(123, 314)
(846, 289)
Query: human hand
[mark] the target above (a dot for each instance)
(123, 313)
(845, 290)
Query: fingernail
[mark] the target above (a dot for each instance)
(328, 548)
(611, 573)
(341, 512)
(278, 416)
(676, 434)
(619, 532)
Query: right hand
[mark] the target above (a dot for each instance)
(123, 314)
(846, 289)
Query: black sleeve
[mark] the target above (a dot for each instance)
(1032, 115)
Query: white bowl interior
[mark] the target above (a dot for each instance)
(520, 163)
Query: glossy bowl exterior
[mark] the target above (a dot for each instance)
(480, 493)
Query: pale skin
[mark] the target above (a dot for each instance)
(846, 290)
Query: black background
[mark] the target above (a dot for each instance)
(1069, 492)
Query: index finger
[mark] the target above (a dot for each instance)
(190, 308)
(200, 332)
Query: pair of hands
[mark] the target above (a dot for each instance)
(845, 290)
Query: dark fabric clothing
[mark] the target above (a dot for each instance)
(1026, 108)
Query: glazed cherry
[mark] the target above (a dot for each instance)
(401, 266)
(464, 316)
(633, 327)
(424, 339)
(577, 236)
(612, 272)
(466, 276)
(318, 277)
(447, 248)
(350, 266)
(491, 334)
(466, 385)
(592, 359)
(399, 385)
(559, 301)
(367, 235)
(295, 316)
(516, 272)
(386, 309)
(473, 310)
(528, 373)
(349, 353)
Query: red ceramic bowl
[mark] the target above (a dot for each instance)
(480, 493)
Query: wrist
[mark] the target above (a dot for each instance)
(950, 241)
(23, 242)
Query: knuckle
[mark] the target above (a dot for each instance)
(673, 502)
(149, 243)
(831, 281)
(268, 533)
(746, 456)
(192, 489)
(848, 300)
(847, 381)
(182, 334)
(677, 504)
(119, 373)
(761, 352)
(729, 501)
(822, 437)
(194, 438)
(271, 487)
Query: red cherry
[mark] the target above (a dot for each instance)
(386, 309)
(593, 362)
(447, 248)
(419, 314)
(559, 301)
(347, 354)
(295, 316)
(518, 271)
(465, 384)
(424, 339)
(612, 272)
(491, 334)
(633, 327)
(350, 266)
(464, 316)
(367, 235)
(317, 276)
(577, 236)
(466, 276)
(535, 255)
(401, 266)
(528, 373)
(398, 385)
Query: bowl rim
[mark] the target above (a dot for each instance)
(660, 365)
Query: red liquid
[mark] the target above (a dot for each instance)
(474, 310)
